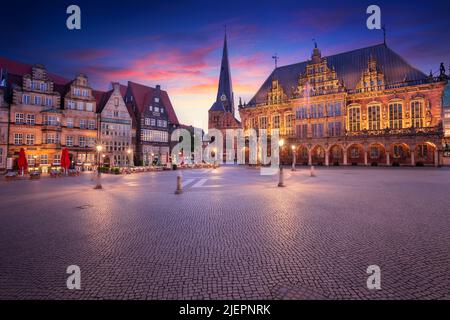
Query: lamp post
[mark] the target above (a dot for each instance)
(98, 185)
(215, 155)
(129, 162)
(294, 153)
(280, 178)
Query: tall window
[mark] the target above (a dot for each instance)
(395, 116)
(69, 141)
(317, 130)
(276, 122)
(417, 114)
(301, 113)
(82, 141)
(374, 152)
(51, 121)
(263, 122)
(374, 117)
(71, 104)
(48, 102)
(89, 106)
(80, 106)
(37, 100)
(289, 118)
(302, 131)
(51, 138)
(422, 151)
(26, 99)
(30, 119)
(334, 129)
(91, 124)
(30, 139)
(354, 119)
(20, 118)
(44, 158)
(333, 109)
(18, 138)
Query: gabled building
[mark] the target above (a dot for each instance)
(363, 107)
(36, 117)
(4, 119)
(154, 120)
(115, 128)
(79, 127)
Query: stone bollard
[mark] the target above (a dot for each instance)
(281, 178)
(179, 186)
(313, 172)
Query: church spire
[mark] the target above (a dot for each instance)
(225, 91)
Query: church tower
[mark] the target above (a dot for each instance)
(221, 115)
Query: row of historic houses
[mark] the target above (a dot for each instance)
(363, 107)
(44, 113)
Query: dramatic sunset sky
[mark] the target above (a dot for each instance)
(178, 44)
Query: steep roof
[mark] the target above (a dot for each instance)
(21, 69)
(217, 106)
(102, 99)
(225, 84)
(144, 95)
(349, 67)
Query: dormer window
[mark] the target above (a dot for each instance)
(150, 108)
(161, 110)
(156, 100)
(156, 109)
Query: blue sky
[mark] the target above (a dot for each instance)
(178, 43)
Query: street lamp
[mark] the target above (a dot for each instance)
(129, 161)
(215, 156)
(98, 185)
(280, 178)
(294, 153)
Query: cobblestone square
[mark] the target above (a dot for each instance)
(232, 234)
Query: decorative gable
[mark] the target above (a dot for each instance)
(318, 78)
(276, 94)
(372, 78)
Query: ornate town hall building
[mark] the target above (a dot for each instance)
(363, 107)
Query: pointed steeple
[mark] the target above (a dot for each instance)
(225, 91)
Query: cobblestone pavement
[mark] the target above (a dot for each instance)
(232, 234)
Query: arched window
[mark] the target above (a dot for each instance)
(417, 114)
(374, 152)
(395, 115)
(354, 118)
(354, 152)
(374, 117)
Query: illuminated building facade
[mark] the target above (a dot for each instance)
(363, 107)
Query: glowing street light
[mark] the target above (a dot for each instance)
(280, 178)
(294, 153)
(129, 160)
(99, 184)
